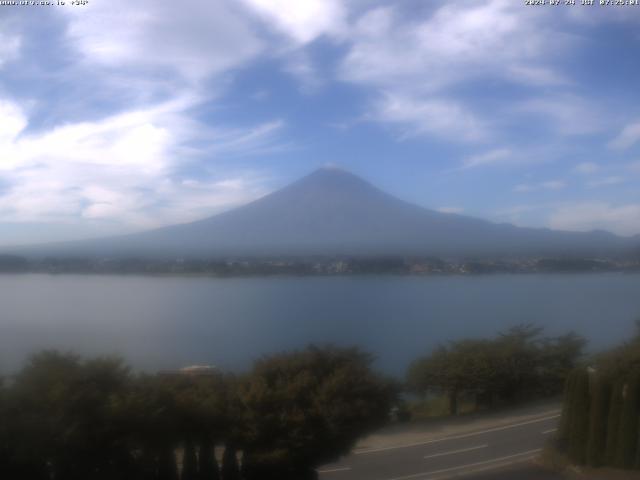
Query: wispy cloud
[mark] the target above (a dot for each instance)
(606, 181)
(492, 157)
(194, 42)
(422, 59)
(623, 219)
(537, 76)
(547, 185)
(569, 114)
(441, 117)
(586, 168)
(124, 168)
(629, 136)
(305, 21)
(9, 47)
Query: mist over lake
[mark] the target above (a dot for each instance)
(167, 322)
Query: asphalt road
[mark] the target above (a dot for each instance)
(501, 452)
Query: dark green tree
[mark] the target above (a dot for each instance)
(166, 467)
(66, 409)
(564, 428)
(579, 427)
(189, 462)
(436, 373)
(230, 469)
(306, 408)
(613, 422)
(601, 396)
(557, 357)
(628, 428)
(207, 463)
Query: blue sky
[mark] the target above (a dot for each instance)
(119, 116)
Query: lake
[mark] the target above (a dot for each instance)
(168, 322)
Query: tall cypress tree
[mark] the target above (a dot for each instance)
(189, 462)
(601, 396)
(613, 422)
(636, 464)
(230, 469)
(565, 419)
(628, 430)
(207, 462)
(579, 428)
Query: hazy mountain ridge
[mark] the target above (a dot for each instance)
(333, 212)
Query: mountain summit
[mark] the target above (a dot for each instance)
(334, 212)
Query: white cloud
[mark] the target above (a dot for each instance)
(537, 76)
(621, 219)
(492, 157)
(547, 185)
(634, 166)
(568, 114)
(452, 45)
(606, 181)
(302, 68)
(422, 59)
(302, 21)
(586, 168)
(553, 185)
(9, 47)
(194, 41)
(441, 117)
(516, 214)
(124, 168)
(523, 188)
(13, 122)
(629, 136)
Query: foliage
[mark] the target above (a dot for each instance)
(628, 428)
(596, 447)
(579, 424)
(613, 422)
(230, 469)
(600, 424)
(68, 418)
(306, 408)
(518, 363)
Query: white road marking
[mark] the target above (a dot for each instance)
(480, 469)
(457, 437)
(332, 470)
(453, 452)
(547, 432)
(498, 461)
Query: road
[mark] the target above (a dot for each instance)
(504, 451)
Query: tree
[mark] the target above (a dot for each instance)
(230, 468)
(596, 448)
(189, 462)
(579, 427)
(207, 463)
(436, 372)
(306, 408)
(613, 422)
(519, 361)
(65, 409)
(167, 469)
(515, 365)
(564, 429)
(557, 358)
(628, 428)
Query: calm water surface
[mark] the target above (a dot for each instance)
(169, 322)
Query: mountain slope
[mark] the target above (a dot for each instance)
(333, 212)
